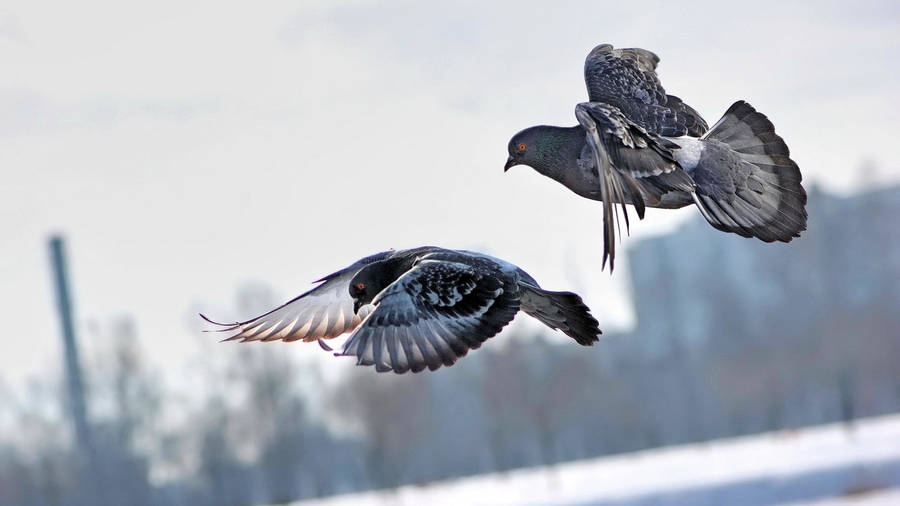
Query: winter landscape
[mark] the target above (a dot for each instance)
(166, 159)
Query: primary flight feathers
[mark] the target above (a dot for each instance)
(635, 144)
(417, 308)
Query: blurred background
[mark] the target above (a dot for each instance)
(168, 158)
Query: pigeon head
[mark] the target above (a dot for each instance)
(373, 278)
(523, 148)
(543, 148)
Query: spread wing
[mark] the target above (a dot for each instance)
(324, 312)
(632, 165)
(432, 315)
(626, 78)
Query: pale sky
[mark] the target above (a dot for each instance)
(187, 148)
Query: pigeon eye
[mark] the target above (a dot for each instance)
(360, 286)
(521, 146)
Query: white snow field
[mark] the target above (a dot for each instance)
(825, 465)
(885, 497)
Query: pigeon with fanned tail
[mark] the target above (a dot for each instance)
(637, 145)
(419, 308)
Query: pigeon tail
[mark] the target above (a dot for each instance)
(564, 311)
(746, 181)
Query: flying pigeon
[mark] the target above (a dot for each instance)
(417, 308)
(635, 144)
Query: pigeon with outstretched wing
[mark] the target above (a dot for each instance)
(419, 308)
(635, 144)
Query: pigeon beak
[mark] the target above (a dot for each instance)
(509, 163)
(356, 305)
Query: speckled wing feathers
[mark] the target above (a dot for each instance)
(432, 315)
(626, 78)
(632, 164)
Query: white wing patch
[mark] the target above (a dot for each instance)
(689, 154)
(321, 313)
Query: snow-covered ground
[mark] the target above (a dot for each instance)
(827, 465)
(884, 497)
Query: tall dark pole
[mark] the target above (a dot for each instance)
(74, 382)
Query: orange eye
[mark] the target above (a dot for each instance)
(521, 146)
(360, 286)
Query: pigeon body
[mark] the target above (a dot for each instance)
(417, 308)
(635, 144)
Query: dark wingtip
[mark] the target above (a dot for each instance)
(226, 327)
(608, 254)
(213, 322)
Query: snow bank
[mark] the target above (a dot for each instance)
(801, 465)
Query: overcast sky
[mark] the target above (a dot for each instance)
(187, 148)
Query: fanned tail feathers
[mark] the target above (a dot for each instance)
(767, 200)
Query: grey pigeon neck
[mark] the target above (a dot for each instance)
(560, 149)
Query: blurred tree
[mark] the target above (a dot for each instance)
(391, 414)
